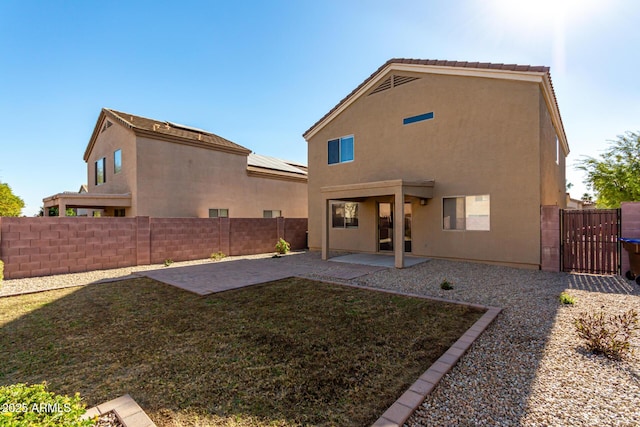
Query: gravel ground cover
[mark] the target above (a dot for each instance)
(528, 369)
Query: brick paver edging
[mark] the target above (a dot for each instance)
(406, 404)
(126, 409)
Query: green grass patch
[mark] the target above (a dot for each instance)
(288, 353)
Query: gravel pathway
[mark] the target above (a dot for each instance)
(527, 369)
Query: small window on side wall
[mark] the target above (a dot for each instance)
(466, 213)
(272, 214)
(344, 215)
(218, 213)
(117, 161)
(99, 171)
(340, 150)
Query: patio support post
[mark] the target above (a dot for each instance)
(325, 229)
(62, 209)
(398, 227)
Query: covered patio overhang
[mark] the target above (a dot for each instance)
(85, 201)
(397, 188)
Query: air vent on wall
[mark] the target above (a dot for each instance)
(400, 80)
(383, 86)
(393, 81)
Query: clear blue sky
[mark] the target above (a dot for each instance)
(261, 73)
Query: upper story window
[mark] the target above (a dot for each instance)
(340, 150)
(117, 161)
(99, 171)
(272, 214)
(466, 213)
(557, 151)
(218, 213)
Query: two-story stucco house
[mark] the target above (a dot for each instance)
(439, 159)
(143, 167)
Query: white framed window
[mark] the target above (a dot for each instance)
(276, 213)
(218, 213)
(466, 213)
(344, 215)
(340, 150)
(117, 161)
(557, 151)
(100, 171)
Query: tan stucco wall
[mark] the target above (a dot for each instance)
(177, 180)
(484, 139)
(552, 178)
(113, 138)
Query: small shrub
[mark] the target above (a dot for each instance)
(216, 256)
(282, 247)
(1, 270)
(608, 335)
(446, 285)
(567, 299)
(168, 262)
(22, 406)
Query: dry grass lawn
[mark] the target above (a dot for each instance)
(288, 353)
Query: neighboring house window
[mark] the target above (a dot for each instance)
(466, 213)
(218, 213)
(557, 151)
(272, 214)
(344, 215)
(119, 212)
(100, 168)
(340, 150)
(117, 161)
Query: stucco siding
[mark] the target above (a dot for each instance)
(177, 180)
(483, 140)
(552, 172)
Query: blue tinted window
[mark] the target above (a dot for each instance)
(340, 150)
(419, 118)
(334, 151)
(346, 149)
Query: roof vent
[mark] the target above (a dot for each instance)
(400, 80)
(383, 86)
(107, 125)
(392, 82)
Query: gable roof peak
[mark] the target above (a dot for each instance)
(540, 74)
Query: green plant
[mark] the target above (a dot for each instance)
(1, 270)
(216, 256)
(608, 335)
(282, 247)
(168, 262)
(565, 298)
(22, 405)
(446, 285)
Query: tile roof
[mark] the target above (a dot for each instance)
(174, 130)
(438, 63)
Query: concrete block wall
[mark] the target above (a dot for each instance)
(630, 219)
(56, 245)
(550, 238)
(183, 239)
(44, 246)
(253, 235)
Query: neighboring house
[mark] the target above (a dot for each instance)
(464, 153)
(143, 167)
(574, 203)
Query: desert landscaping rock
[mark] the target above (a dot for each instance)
(529, 368)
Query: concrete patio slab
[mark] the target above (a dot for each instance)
(380, 260)
(205, 279)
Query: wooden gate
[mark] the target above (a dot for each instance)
(590, 241)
